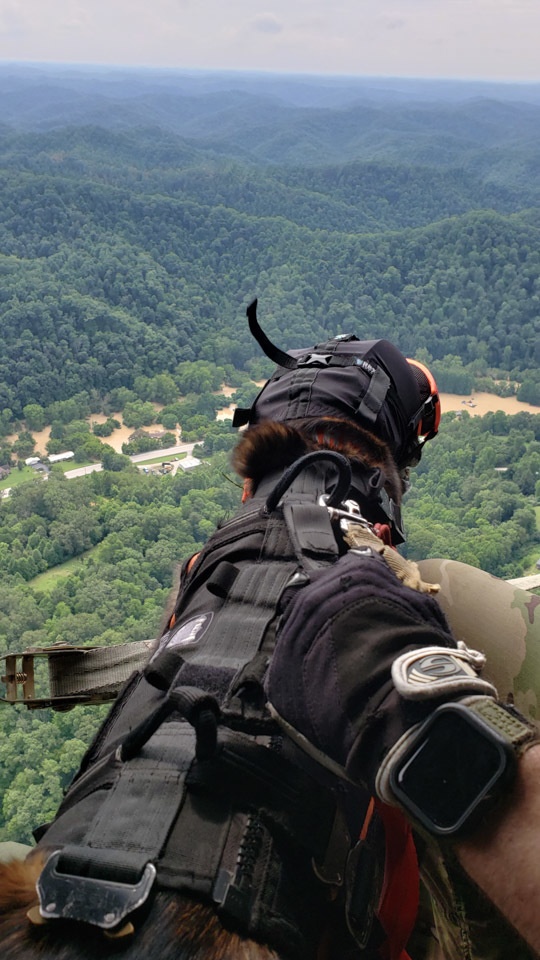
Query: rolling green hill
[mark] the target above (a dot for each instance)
(379, 209)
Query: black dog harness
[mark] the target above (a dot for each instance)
(189, 785)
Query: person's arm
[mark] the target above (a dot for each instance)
(376, 683)
(503, 858)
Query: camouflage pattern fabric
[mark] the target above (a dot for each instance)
(503, 621)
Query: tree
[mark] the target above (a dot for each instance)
(105, 429)
(34, 414)
(138, 414)
(114, 461)
(7, 424)
(529, 392)
(87, 447)
(118, 397)
(24, 445)
(5, 454)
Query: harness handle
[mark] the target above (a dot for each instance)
(198, 707)
(335, 497)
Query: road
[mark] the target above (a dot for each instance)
(136, 458)
(186, 448)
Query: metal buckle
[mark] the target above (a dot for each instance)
(102, 903)
(348, 513)
(20, 673)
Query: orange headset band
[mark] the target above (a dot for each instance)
(430, 417)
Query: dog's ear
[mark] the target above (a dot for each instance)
(18, 881)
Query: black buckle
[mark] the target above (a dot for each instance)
(102, 903)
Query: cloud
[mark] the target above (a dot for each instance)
(13, 23)
(267, 23)
(393, 23)
(390, 37)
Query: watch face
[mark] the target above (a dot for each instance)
(450, 772)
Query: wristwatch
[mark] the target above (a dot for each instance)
(458, 763)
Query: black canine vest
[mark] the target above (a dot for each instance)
(189, 785)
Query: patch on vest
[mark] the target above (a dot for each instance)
(186, 634)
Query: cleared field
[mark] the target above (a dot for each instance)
(16, 477)
(47, 581)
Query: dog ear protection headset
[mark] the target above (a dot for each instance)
(369, 382)
(430, 412)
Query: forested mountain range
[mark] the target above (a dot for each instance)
(139, 213)
(280, 118)
(125, 249)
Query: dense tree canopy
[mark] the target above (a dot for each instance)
(115, 276)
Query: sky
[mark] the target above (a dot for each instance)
(480, 39)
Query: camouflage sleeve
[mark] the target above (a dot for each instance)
(503, 621)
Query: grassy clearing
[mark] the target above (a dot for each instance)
(16, 477)
(47, 581)
(73, 464)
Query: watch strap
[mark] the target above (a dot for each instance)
(501, 718)
(505, 720)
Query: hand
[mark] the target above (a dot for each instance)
(360, 660)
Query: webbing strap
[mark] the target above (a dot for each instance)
(132, 824)
(299, 394)
(110, 873)
(75, 674)
(195, 847)
(234, 637)
(101, 670)
(374, 396)
(400, 895)
(311, 532)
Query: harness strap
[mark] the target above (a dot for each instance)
(374, 397)
(240, 829)
(401, 891)
(128, 830)
(311, 532)
(251, 602)
(75, 674)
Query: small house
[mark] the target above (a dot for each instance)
(59, 457)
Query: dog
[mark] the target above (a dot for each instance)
(177, 925)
